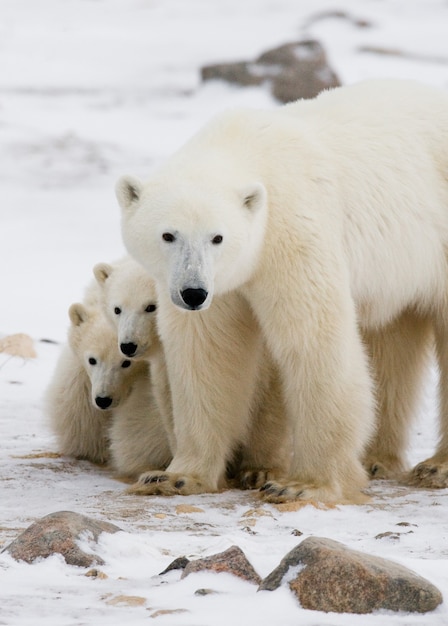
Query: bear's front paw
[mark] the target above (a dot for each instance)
(276, 492)
(429, 474)
(279, 492)
(166, 484)
(253, 478)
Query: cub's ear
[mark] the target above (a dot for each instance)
(128, 191)
(102, 271)
(78, 314)
(254, 196)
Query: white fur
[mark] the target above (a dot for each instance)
(344, 230)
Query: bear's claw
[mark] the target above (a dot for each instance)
(165, 484)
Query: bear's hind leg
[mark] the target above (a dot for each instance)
(433, 472)
(399, 355)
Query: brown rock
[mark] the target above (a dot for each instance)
(332, 577)
(233, 561)
(58, 533)
(238, 73)
(294, 70)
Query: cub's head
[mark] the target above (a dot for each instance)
(128, 298)
(94, 341)
(196, 237)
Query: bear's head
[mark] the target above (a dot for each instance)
(128, 297)
(195, 236)
(94, 341)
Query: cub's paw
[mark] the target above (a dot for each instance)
(158, 483)
(253, 478)
(430, 474)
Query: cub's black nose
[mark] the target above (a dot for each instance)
(103, 402)
(129, 349)
(194, 297)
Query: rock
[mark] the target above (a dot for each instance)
(180, 563)
(19, 344)
(233, 561)
(294, 70)
(58, 533)
(327, 576)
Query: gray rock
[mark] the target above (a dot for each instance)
(327, 576)
(58, 533)
(233, 561)
(293, 70)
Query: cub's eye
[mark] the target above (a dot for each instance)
(217, 239)
(92, 361)
(169, 237)
(150, 308)
(126, 363)
(117, 310)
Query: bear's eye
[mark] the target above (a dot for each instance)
(92, 361)
(217, 239)
(169, 237)
(117, 310)
(150, 308)
(126, 363)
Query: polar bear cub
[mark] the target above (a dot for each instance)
(93, 391)
(330, 218)
(128, 297)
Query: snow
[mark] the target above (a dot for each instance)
(90, 90)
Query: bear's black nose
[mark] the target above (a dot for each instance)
(103, 402)
(194, 297)
(129, 349)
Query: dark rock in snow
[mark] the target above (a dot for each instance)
(327, 576)
(180, 563)
(232, 561)
(59, 533)
(294, 70)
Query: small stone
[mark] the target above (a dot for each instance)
(188, 508)
(327, 576)
(204, 592)
(233, 561)
(180, 563)
(96, 573)
(58, 533)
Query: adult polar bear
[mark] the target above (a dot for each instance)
(330, 216)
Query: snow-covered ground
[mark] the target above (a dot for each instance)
(89, 90)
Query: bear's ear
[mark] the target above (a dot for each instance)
(128, 191)
(78, 314)
(254, 196)
(102, 271)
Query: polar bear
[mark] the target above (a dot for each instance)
(330, 217)
(257, 447)
(250, 440)
(128, 297)
(100, 404)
